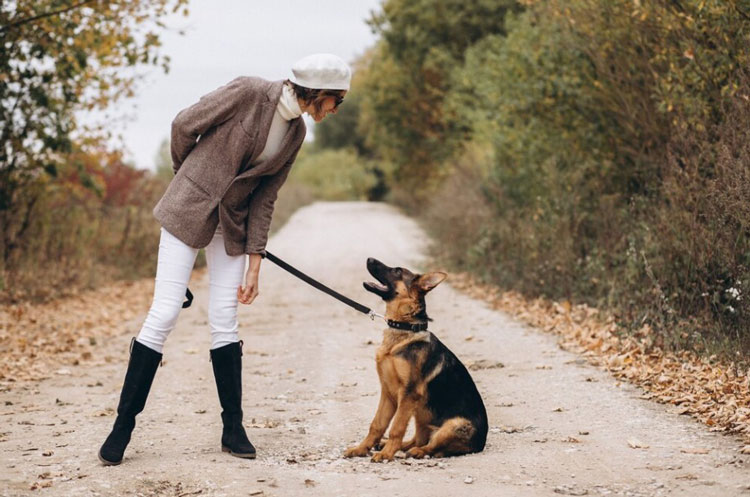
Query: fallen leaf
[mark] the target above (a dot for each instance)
(485, 364)
(570, 490)
(637, 444)
(694, 451)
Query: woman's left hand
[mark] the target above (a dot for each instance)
(247, 294)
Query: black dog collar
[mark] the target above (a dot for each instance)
(403, 325)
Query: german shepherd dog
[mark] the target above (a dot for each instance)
(419, 377)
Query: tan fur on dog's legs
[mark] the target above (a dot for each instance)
(409, 444)
(421, 436)
(379, 424)
(404, 412)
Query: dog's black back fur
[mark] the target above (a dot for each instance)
(452, 392)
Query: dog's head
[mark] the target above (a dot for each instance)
(402, 290)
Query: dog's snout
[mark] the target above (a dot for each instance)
(374, 265)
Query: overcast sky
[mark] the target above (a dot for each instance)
(227, 38)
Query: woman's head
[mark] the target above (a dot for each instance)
(320, 83)
(316, 102)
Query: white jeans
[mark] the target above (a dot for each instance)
(176, 260)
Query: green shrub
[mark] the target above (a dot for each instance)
(339, 174)
(606, 160)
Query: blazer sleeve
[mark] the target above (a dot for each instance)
(260, 210)
(211, 110)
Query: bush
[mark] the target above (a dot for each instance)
(89, 224)
(339, 174)
(606, 160)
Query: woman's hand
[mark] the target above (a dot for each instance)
(247, 294)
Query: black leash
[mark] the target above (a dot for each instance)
(307, 279)
(401, 325)
(320, 286)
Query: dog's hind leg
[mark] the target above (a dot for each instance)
(421, 435)
(379, 424)
(451, 439)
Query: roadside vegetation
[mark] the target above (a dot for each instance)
(591, 151)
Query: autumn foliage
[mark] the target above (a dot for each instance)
(71, 212)
(589, 150)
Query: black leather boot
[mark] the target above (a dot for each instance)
(227, 363)
(141, 370)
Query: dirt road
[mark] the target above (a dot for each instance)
(557, 426)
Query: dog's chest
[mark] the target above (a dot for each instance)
(393, 369)
(388, 375)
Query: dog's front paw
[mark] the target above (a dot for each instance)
(357, 451)
(381, 456)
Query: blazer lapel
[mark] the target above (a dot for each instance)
(289, 144)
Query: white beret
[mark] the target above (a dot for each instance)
(322, 71)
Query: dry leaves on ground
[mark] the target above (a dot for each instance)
(39, 340)
(715, 393)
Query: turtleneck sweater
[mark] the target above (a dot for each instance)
(287, 109)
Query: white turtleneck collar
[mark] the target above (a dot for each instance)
(288, 104)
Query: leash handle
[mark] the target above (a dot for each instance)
(320, 286)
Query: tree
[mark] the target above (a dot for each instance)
(408, 78)
(60, 57)
(341, 132)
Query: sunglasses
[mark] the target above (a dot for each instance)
(339, 99)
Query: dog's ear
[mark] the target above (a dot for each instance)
(428, 281)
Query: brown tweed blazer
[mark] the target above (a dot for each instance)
(213, 145)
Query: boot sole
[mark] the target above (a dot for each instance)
(108, 463)
(237, 454)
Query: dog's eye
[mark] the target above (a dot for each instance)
(398, 272)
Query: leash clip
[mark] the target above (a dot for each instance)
(373, 315)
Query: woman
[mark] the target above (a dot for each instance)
(231, 153)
